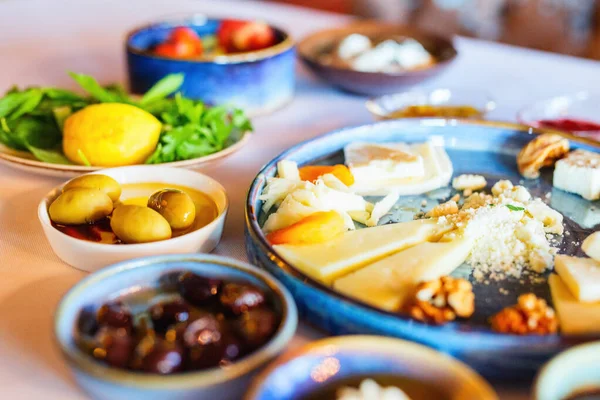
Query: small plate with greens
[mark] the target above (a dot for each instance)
(57, 132)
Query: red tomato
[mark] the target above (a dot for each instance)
(253, 36)
(183, 49)
(182, 42)
(225, 33)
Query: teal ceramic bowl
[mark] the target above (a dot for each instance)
(329, 362)
(228, 383)
(257, 81)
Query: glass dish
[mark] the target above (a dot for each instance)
(565, 113)
(385, 107)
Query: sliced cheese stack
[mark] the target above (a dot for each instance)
(576, 290)
(387, 284)
(351, 250)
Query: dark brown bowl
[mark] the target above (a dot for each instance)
(314, 46)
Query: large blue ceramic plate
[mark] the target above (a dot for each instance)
(485, 148)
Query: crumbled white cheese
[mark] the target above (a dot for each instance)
(509, 231)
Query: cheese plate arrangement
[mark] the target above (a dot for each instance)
(475, 238)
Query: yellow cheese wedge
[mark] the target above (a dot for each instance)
(591, 246)
(575, 318)
(581, 275)
(351, 250)
(388, 283)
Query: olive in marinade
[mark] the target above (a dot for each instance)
(138, 224)
(198, 290)
(101, 182)
(80, 206)
(175, 206)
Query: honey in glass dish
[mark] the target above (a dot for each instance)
(441, 111)
(138, 194)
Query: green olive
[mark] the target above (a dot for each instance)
(176, 206)
(96, 181)
(139, 224)
(80, 206)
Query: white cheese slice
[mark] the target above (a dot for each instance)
(369, 161)
(581, 275)
(575, 317)
(437, 173)
(288, 170)
(388, 283)
(591, 246)
(351, 250)
(579, 173)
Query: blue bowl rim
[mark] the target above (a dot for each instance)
(250, 56)
(80, 361)
(311, 59)
(259, 238)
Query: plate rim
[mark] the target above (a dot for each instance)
(255, 232)
(41, 167)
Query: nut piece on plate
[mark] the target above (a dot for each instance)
(531, 315)
(442, 300)
(447, 208)
(469, 182)
(543, 151)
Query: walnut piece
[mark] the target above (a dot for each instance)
(531, 315)
(543, 151)
(442, 300)
(447, 208)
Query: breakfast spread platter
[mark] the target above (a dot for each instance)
(439, 248)
(447, 234)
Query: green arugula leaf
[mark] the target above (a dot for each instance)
(61, 94)
(163, 88)
(91, 86)
(514, 208)
(83, 158)
(11, 102)
(60, 115)
(34, 97)
(53, 156)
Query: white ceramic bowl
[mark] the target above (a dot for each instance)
(573, 371)
(90, 256)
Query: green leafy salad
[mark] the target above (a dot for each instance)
(32, 119)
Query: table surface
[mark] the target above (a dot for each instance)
(41, 40)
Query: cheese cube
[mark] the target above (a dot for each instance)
(579, 173)
(387, 284)
(575, 317)
(581, 275)
(591, 246)
(351, 250)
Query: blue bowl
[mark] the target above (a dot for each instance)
(480, 147)
(328, 361)
(257, 81)
(104, 382)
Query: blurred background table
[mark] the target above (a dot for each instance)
(41, 40)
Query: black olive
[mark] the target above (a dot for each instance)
(113, 346)
(115, 315)
(255, 327)
(198, 290)
(238, 298)
(165, 357)
(164, 315)
(86, 321)
(203, 338)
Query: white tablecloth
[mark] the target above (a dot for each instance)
(41, 40)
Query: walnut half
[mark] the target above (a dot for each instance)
(442, 300)
(543, 151)
(531, 315)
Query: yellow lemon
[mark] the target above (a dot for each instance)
(110, 134)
